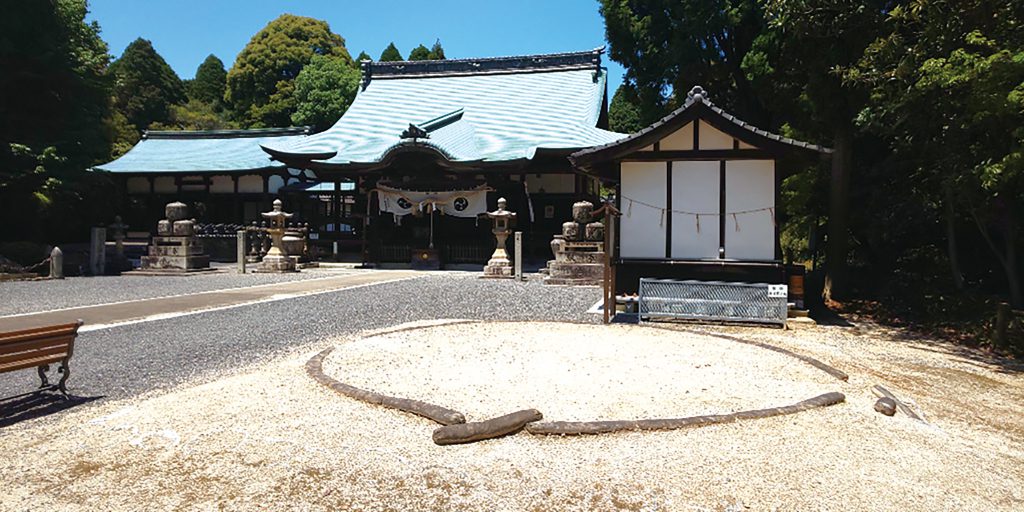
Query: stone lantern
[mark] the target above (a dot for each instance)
(499, 265)
(277, 259)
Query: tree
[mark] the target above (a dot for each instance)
(436, 51)
(259, 84)
(419, 53)
(54, 104)
(624, 111)
(390, 54)
(667, 46)
(53, 87)
(324, 90)
(145, 86)
(210, 82)
(194, 115)
(362, 56)
(946, 84)
(812, 42)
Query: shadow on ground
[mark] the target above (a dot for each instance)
(36, 405)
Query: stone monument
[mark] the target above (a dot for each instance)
(175, 249)
(277, 258)
(579, 250)
(499, 265)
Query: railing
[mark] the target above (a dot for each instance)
(712, 301)
(466, 253)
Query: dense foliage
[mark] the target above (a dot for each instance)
(210, 82)
(323, 91)
(390, 54)
(145, 86)
(260, 84)
(923, 101)
(419, 53)
(55, 118)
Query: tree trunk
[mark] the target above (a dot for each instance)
(954, 259)
(838, 220)
(1010, 263)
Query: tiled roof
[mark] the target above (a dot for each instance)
(203, 151)
(697, 97)
(492, 110)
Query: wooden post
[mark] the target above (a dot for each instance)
(1002, 324)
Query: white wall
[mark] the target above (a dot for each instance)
(642, 233)
(712, 138)
(137, 185)
(695, 188)
(164, 185)
(250, 184)
(679, 140)
(222, 185)
(749, 185)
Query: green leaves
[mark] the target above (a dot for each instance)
(145, 86)
(259, 84)
(323, 91)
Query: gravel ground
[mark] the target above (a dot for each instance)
(123, 361)
(34, 296)
(270, 438)
(574, 372)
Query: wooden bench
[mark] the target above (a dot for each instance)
(39, 348)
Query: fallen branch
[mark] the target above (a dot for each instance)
(489, 429)
(602, 427)
(881, 392)
(442, 415)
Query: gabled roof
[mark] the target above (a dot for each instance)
(468, 111)
(203, 151)
(697, 105)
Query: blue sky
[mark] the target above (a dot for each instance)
(186, 31)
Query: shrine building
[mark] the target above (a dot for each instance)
(424, 149)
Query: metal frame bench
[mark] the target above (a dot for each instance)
(39, 348)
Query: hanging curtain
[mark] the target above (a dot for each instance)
(457, 203)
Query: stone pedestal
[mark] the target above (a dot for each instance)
(175, 249)
(579, 251)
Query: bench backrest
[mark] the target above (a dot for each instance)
(37, 346)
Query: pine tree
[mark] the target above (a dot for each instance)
(145, 86)
(390, 54)
(210, 82)
(419, 53)
(436, 51)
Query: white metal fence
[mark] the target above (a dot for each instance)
(712, 300)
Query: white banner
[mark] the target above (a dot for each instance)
(457, 203)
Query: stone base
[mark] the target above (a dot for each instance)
(171, 272)
(174, 262)
(498, 271)
(277, 265)
(579, 274)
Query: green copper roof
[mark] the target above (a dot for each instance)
(203, 151)
(474, 110)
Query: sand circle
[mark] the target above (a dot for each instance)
(574, 372)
